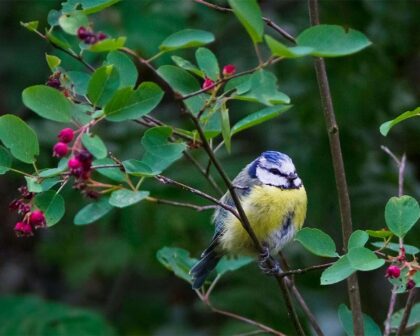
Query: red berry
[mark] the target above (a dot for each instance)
(410, 284)
(37, 218)
(101, 36)
(207, 84)
(229, 70)
(23, 229)
(74, 164)
(60, 149)
(393, 272)
(82, 33)
(54, 83)
(66, 135)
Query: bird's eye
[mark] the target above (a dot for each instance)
(274, 171)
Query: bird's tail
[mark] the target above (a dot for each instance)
(204, 266)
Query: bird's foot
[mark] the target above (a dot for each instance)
(268, 265)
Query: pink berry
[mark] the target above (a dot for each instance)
(60, 149)
(23, 229)
(207, 84)
(66, 135)
(74, 163)
(37, 219)
(54, 83)
(410, 284)
(101, 36)
(229, 70)
(82, 33)
(393, 272)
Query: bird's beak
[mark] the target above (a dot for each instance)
(292, 176)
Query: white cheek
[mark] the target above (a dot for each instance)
(268, 178)
(287, 168)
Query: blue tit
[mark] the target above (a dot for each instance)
(274, 200)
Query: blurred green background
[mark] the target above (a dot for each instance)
(110, 267)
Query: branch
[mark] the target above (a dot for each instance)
(391, 307)
(408, 307)
(181, 204)
(339, 172)
(304, 270)
(268, 21)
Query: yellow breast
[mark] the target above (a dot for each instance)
(267, 208)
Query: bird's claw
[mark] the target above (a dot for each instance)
(272, 269)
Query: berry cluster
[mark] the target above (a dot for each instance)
(31, 220)
(61, 148)
(228, 70)
(90, 37)
(394, 271)
(54, 81)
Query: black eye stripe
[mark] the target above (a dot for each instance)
(275, 171)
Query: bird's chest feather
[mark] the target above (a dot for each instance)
(274, 214)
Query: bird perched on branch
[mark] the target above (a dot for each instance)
(274, 200)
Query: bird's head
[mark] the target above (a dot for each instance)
(275, 169)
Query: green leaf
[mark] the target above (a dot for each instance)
(386, 127)
(125, 67)
(88, 6)
(5, 160)
(93, 211)
(123, 198)
(58, 40)
(52, 204)
(232, 264)
(95, 146)
(31, 25)
(187, 38)
(346, 319)
(138, 168)
(413, 320)
(70, 23)
(409, 249)
(225, 123)
(401, 213)
(47, 102)
(177, 260)
(108, 44)
(383, 233)
(363, 259)
(317, 242)
(53, 62)
(114, 174)
(128, 103)
(19, 138)
(62, 166)
(259, 117)
(80, 81)
(264, 90)
(358, 239)
(337, 272)
(35, 186)
(103, 84)
(184, 83)
(241, 84)
(159, 152)
(279, 49)
(249, 14)
(186, 65)
(207, 62)
(332, 40)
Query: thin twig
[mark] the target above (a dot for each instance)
(391, 307)
(182, 204)
(408, 307)
(306, 269)
(339, 172)
(167, 180)
(268, 21)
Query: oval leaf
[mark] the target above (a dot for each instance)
(52, 204)
(279, 49)
(232, 264)
(207, 62)
(249, 14)
(364, 259)
(132, 104)
(93, 211)
(346, 319)
(49, 103)
(70, 23)
(125, 66)
(177, 260)
(386, 126)
(409, 249)
(187, 65)
(317, 242)
(124, 197)
(108, 44)
(332, 40)
(5, 160)
(186, 38)
(17, 136)
(337, 272)
(95, 146)
(401, 213)
(114, 174)
(103, 84)
(358, 239)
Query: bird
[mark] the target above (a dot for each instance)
(275, 202)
